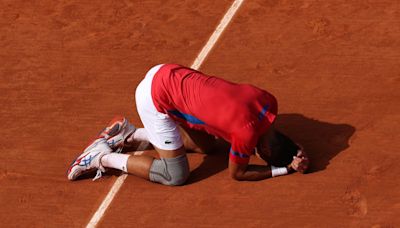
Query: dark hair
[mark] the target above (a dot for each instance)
(282, 149)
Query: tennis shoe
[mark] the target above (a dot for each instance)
(116, 133)
(90, 160)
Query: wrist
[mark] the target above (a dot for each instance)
(278, 171)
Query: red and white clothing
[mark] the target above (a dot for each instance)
(239, 113)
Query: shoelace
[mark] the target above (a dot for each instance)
(99, 174)
(101, 169)
(119, 149)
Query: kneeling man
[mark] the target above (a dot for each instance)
(175, 104)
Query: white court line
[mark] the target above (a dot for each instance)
(106, 202)
(217, 33)
(196, 65)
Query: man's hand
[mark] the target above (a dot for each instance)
(300, 162)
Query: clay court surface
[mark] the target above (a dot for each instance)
(67, 67)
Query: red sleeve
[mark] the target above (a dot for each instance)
(242, 147)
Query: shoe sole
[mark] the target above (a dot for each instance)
(114, 127)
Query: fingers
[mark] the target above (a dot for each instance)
(297, 159)
(303, 165)
(295, 163)
(300, 164)
(301, 154)
(300, 161)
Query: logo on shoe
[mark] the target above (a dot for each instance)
(86, 161)
(168, 142)
(113, 142)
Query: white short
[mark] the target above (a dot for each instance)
(162, 131)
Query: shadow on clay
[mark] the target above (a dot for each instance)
(212, 164)
(322, 141)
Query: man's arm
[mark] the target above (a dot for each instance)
(245, 172)
(249, 172)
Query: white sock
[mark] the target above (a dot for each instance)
(116, 161)
(139, 135)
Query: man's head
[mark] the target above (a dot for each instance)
(276, 148)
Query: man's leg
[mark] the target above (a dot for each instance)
(141, 163)
(193, 140)
(122, 161)
(172, 168)
(197, 141)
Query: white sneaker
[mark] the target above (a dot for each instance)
(90, 160)
(117, 132)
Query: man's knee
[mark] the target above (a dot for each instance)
(170, 171)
